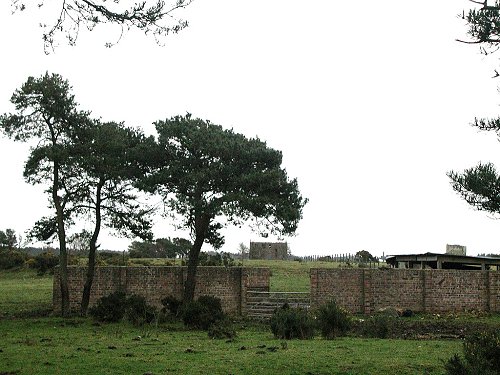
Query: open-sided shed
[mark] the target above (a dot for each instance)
(443, 261)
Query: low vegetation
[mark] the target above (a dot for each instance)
(77, 346)
(288, 323)
(481, 355)
(35, 342)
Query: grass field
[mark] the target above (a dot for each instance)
(289, 276)
(23, 293)
(286, 276)
(76, 346)
(34, 343)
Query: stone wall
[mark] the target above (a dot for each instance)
(268, 250)
(154, 283)
(436, 291)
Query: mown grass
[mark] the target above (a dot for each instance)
(289, 276)
(76, 346)
(23, 293)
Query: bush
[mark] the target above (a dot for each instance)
(481, 355)
(116, 306)
(333, 320)
(377, 326)
(112, 258)
(202, 313)
(11, 259)
(138, 312)
(222, 329)
(171, 305)
(110, 308)
(45, 261)
(287, 323)
(218, 259)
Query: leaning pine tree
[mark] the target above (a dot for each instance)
(46, 113)
(215, 177)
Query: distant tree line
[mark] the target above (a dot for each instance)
(160, 248)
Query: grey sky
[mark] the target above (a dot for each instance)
(370, 103)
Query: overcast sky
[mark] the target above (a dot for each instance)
(370, 102)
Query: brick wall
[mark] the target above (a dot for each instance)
(154, 283)
(435, 291)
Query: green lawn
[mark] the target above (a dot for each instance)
(76, 346)
(289, 276)
(51, 345)
(23, 293)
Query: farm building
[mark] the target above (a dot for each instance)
(443, 261)
(268, 250)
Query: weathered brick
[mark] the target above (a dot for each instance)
(154, 283)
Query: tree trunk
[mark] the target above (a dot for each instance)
(194, 255)
(61, 234)
(201, 227)
(92, 252)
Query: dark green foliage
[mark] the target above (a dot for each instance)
(110, 308)
(214, 177)
(333, 320)
(456, 366)
(222, 329)
(171, 305)
(202, 313)
(407, 313)
(8, 239)
(484, 25)
(364, 257)
(47, 114)
(287, 323)
(218, 259)
(112, 258)
(45, 261)
(11, 259)
(478, 186)
(377, 326)
(138, 312)
(116, 306)
(160, 248)
(481, 355)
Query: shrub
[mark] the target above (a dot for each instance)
(112, 258)
(407, 313)
(45, 261)
(11, 259)
(333, 320)
(481, 355)
(218, 259)
(287, 323)
(138, 312)
(202, 313)
(171, 305)
(116, 306)
(222, 329)
(377, 326)
(110, 308)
